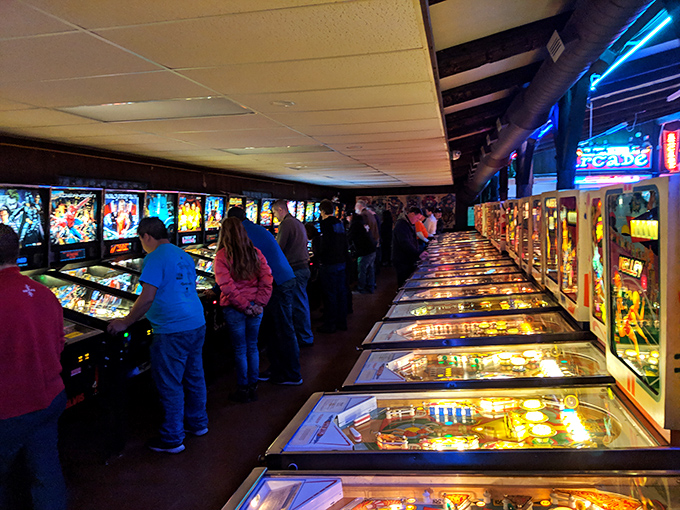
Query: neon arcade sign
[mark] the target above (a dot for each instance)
(614, 158)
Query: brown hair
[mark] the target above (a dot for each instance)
(9, 245)
(239, 249)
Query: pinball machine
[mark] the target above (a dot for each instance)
(466, 293)
(499, 226)
(471, 307)
(24, 209)
(511, 328)
(537, 242)
(442, 490)
(252, 208)
(573, 254)
(525, 234)
(597, 257)
(524, 365)
(550, 225)
(512, 229)
(463, 281)
(215, 212)
(642, 238)
(236, 201)
(574, 428)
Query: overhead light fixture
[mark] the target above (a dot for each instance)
(627, 55)
(185, 108)
(284, 104)
(293, 149)
(673, 96)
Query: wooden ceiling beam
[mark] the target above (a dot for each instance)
(502, 45)
(510, 79)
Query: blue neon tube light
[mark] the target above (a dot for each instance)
(627, 55)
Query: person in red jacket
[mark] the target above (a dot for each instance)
(246, 283)
(32, 390)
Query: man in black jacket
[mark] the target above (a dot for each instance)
(405, 251)
(332, 253)
(359, 238)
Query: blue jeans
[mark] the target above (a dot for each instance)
(366, 273)
(301, 319)
(333, 286)
(283, 350)
(243, 330)
(35, 435)
(177, 369)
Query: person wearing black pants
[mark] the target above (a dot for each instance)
(332, 253)
(405, 251)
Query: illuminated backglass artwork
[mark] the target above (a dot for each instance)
(536, 234)
(634, 285)
(568, 244)
(73, 217)
(23, 210)
(597, 241)
(121, 215)
(162, 206)
(551, 217)
(190, 217)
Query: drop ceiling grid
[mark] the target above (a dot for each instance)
(327, 32)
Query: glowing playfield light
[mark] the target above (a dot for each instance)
(627, 55)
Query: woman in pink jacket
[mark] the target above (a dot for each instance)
(245, 280)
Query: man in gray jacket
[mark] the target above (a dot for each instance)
(292, 239)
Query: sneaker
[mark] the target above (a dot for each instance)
(265, 375)
(197, 433)
(158, 445)
(241, 395)
(252, 392)
(283, 382)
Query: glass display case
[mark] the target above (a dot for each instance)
(504, 329)
(107, 277)
(422, 274)
(472, 307)
(555, 364)
(643, 256)
(550, 224)
(464, 281)
(401, 490)
(576, 428)
(536, 239)
(501, 289)
(85, 300)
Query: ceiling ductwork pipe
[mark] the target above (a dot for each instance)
(593, 27)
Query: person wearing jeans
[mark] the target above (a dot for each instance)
(176, 368)
(32, 396)
(174, 310)
(292, 238)
(245, 282)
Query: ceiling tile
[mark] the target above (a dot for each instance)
(38, 117)
(428, 111)
(90, 14)
(103, 89)
(315, 74)
(247, 138)
(65, 56)
(379, 137)
(317, 31)
(226, 123)
(374, 127)
(341, 99)
(19, 20)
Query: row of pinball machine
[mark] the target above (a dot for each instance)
(531, 363)
(82, 243)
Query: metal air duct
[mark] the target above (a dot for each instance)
(593, 27)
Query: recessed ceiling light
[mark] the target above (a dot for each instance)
(285, 104)
(184, 108)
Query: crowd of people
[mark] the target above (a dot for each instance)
(261, 284)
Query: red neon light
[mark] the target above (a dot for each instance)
(670, 150)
